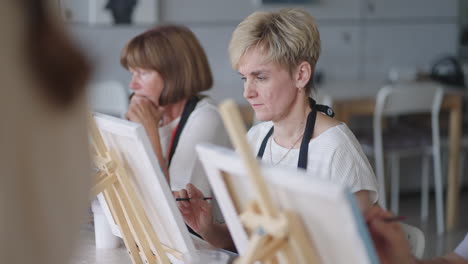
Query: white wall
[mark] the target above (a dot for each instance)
(361, 39)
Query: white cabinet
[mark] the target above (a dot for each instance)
(222, 12)
(227, 81)
(407, 34)
(219, 11)
(411, 9)
(76, 11)
(206, 11)
(406, 45)
(356, 43)
(341, 45)
(331, 10)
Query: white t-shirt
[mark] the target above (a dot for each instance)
(204, 125)
(335, 155)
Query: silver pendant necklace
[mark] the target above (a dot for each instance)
(284, 156)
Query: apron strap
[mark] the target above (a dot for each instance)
(188, 109)
(308, 132)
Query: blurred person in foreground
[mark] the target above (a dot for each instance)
(44, 155)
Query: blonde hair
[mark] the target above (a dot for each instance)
(175, 53)
(286, 37)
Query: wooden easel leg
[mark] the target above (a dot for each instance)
(305, 250)
(270, 248)
(256, 242)
(135, 227)
(104, 181)
(120, 220)
(272, 260)
(286, 256)
(144, 230)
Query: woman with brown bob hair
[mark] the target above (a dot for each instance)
(169, 70)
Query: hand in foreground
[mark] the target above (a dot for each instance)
(389, 239)
(197, 213)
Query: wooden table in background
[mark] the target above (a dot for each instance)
(358, 98)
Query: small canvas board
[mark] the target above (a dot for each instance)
(133, 148)
(329, 212)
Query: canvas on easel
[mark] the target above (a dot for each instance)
(138, 196)
(306, 220)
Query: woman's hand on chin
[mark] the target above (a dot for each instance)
(142, 110)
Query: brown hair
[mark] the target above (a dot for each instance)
(175, 53)
(58, 65)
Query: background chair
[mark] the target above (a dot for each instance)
(402, 141)
(415, 238)
(109, 97)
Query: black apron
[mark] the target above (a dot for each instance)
(308, 132)
(188, 109)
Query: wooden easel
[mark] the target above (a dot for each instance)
(275, 235)
(126, 208)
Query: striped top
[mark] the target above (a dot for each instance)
(335, 155)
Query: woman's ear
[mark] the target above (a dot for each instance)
(302, 74)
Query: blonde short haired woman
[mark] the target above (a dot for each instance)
(275, 54)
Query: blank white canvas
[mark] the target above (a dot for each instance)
(328, 211)
(130, 142)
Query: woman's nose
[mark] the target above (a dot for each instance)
(134, 84)
(249, 89)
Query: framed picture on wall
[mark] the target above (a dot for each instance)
(111, 12)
